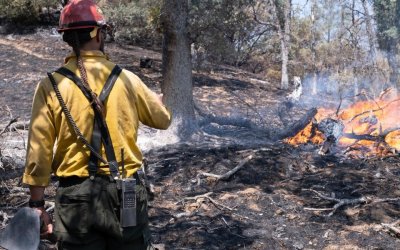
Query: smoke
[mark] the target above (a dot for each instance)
(328, 90)
(149, 138)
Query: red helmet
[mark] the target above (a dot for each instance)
(80, 14)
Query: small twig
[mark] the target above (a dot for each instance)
(226, 223)
(384, 92)
(250, 106)
(317, 209)
(339, 106)
(374, 201)
(184, 214)
(14, 120)
(51, 206)
(242, 217)
(228, 174)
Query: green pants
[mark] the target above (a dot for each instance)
(87, 216)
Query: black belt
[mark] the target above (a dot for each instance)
(75, 180)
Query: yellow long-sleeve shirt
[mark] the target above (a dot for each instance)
(52, 144)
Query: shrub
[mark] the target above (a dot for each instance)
(25, 11)
(134, 21)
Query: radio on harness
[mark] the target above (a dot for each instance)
(128, 202)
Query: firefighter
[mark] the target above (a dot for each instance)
(87, 139)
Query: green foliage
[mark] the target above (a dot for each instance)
(135, 21)
(24, 11)
(244, 32)
(387, 20)
(224, 29)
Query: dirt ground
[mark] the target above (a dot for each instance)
(282, 198)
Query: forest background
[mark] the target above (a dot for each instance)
(231, 71)
(331, 45)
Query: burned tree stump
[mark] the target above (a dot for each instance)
(332, 130)
(146, 63)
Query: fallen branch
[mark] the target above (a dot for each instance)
(392, 227)
(23, 125)
(345, 202)
(228, 174)
(207, 196)
(369, 137)
(380, 140)
(374, 110)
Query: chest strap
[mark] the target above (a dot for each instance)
(100, 129)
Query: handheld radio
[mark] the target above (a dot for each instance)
(128, 198)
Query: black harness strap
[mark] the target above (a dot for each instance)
(78, 82)
(100, 129)
(71, 120)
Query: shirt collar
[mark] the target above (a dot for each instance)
(87, 54)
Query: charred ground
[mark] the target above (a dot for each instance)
(274, 202)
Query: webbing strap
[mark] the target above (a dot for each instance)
(67, 114)
(100, 129)
(71, 75)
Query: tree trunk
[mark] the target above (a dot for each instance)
(387, 21)
(313, 50)
(286, 44)
(397, 25)
(177, 85)
(392, 60)
(370, 32)
(285, 60)
(282, 12)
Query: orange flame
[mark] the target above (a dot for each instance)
(372, 127)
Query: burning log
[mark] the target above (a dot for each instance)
(299, 125)
(383, 148)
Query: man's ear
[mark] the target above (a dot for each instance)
(98, 35)
(64, 2)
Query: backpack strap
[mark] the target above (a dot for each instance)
(100, 129)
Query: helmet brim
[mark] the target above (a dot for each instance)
(60, 30)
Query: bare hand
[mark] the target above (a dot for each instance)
(160, 97)
(46, 228)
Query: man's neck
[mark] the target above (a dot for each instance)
(91, 45)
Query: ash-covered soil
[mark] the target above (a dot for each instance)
(268, 204)
(282, 198)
